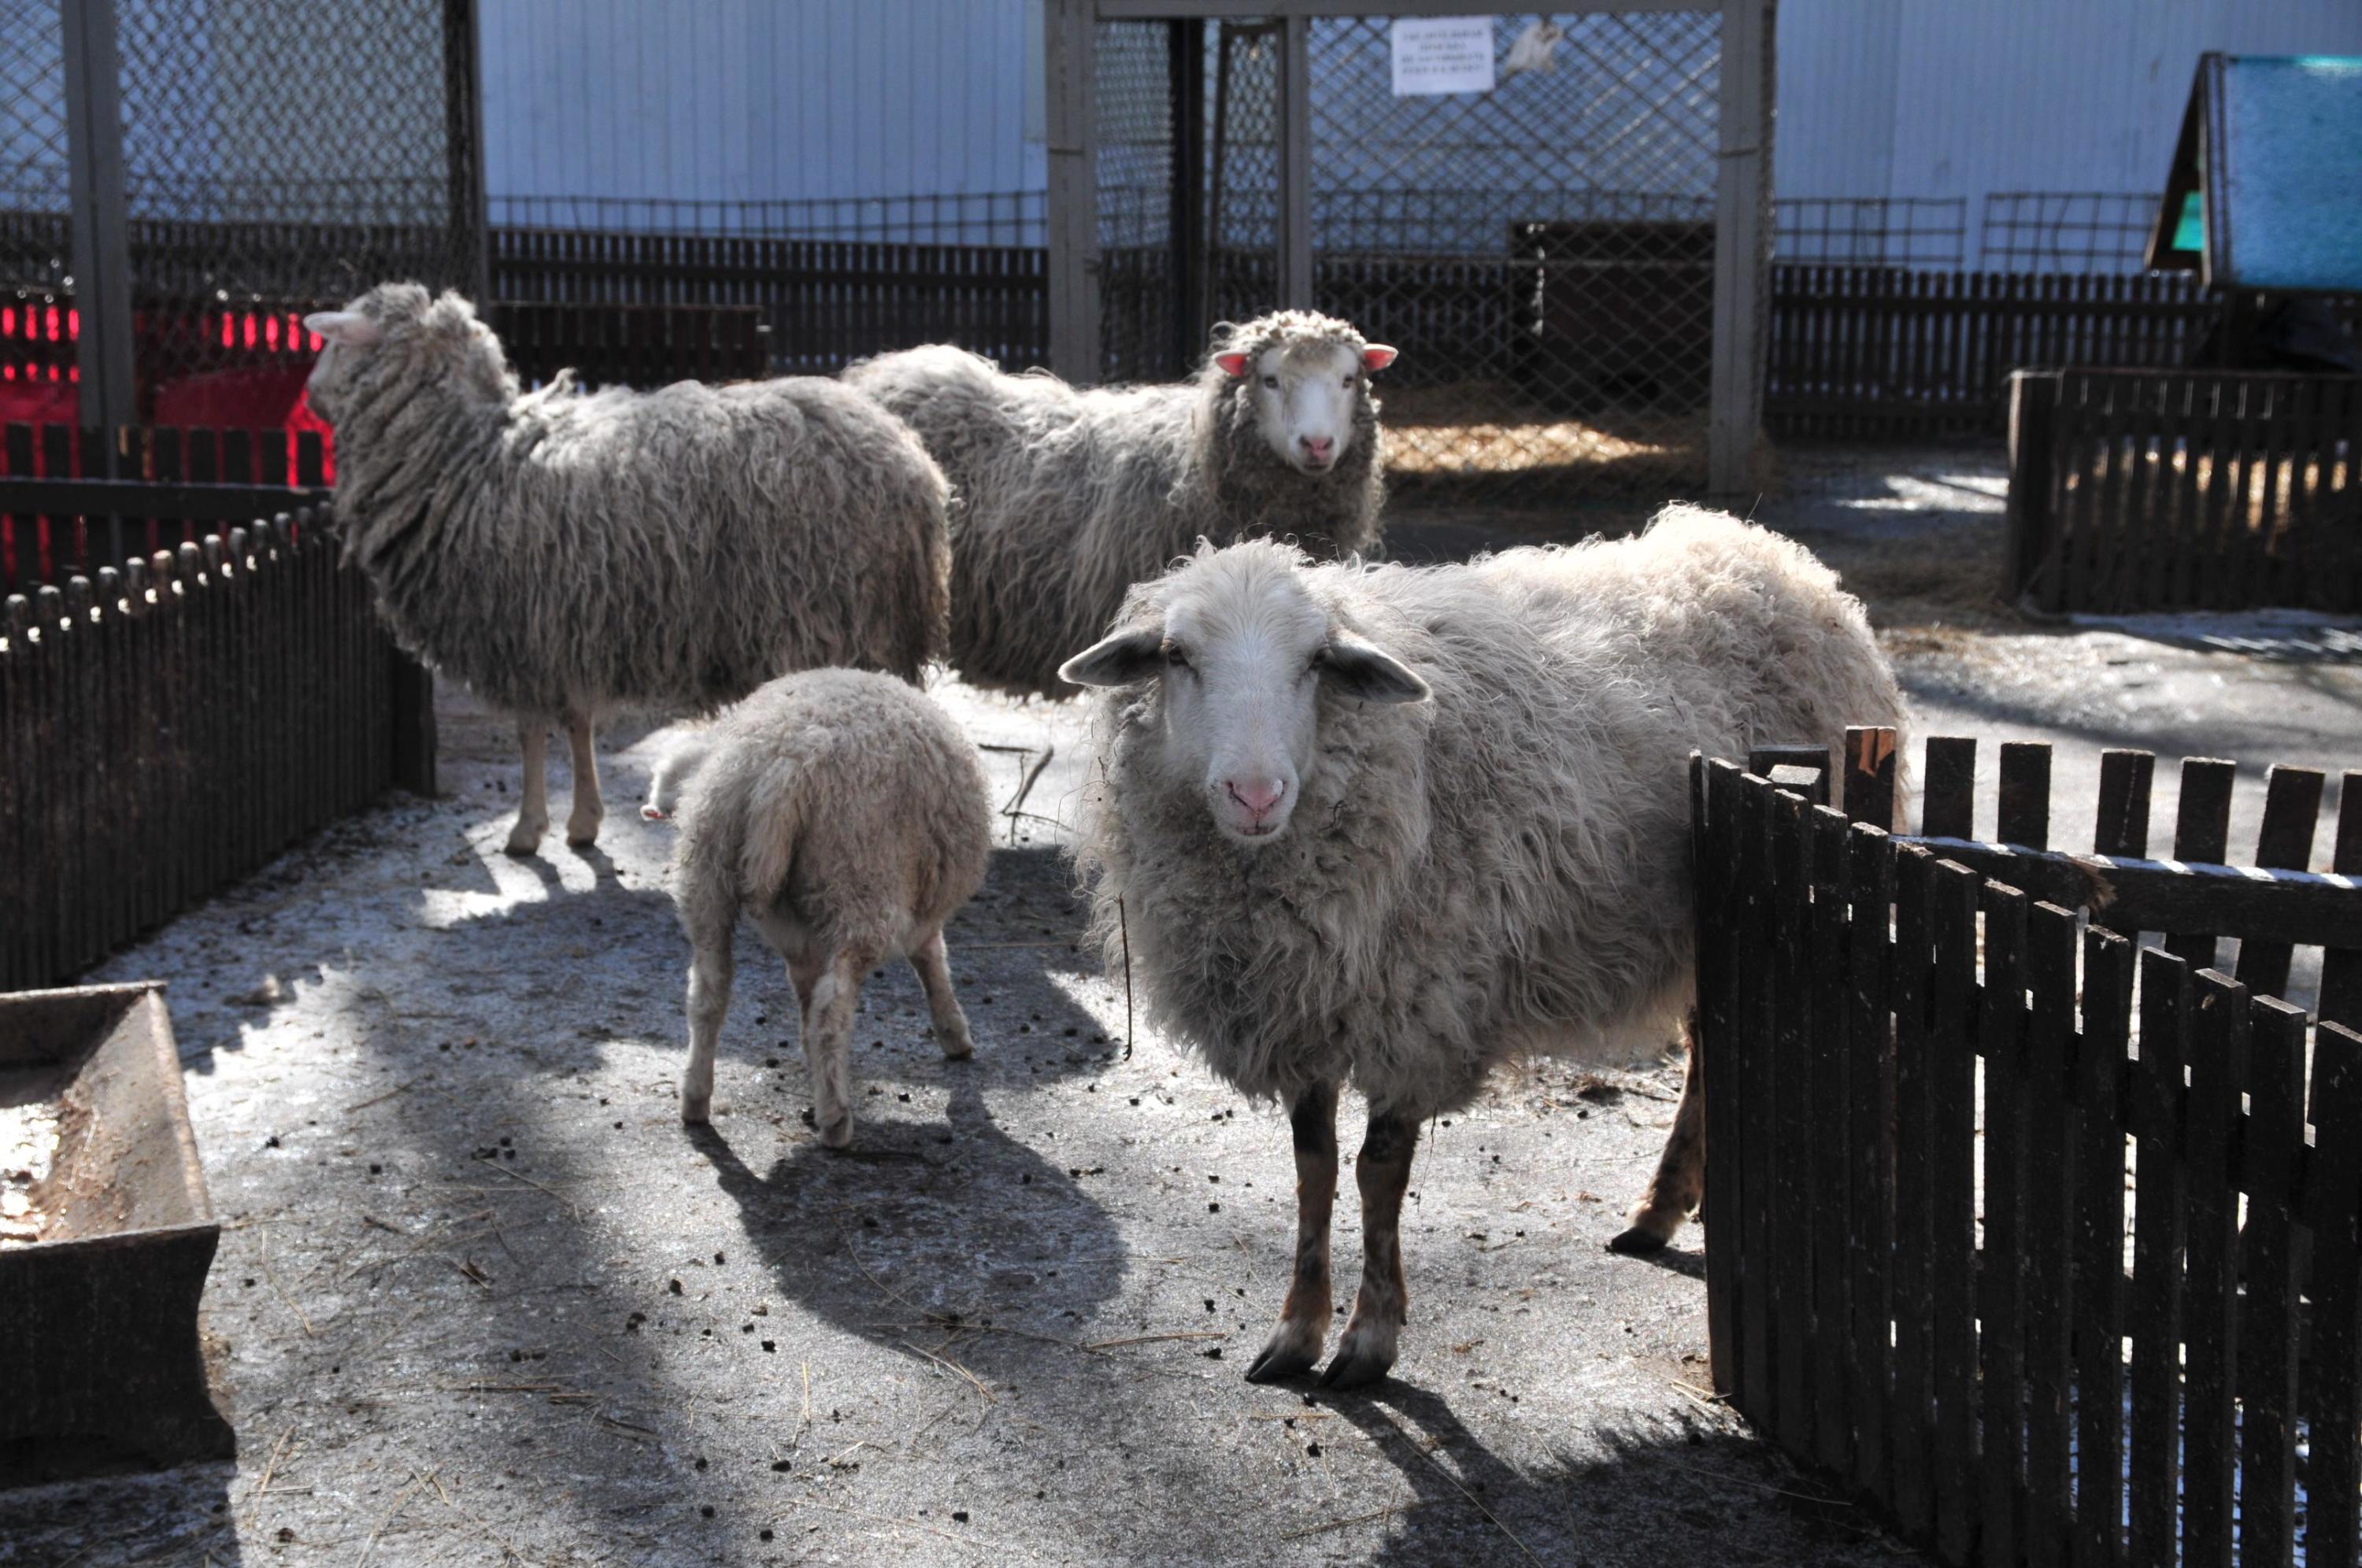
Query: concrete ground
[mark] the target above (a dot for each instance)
(480, 1297)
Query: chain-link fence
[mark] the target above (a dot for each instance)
(36, 238)
(36, 350)
(272, 155)
(1542, 254)
(1134, 110)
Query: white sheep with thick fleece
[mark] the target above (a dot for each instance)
(1389, 827)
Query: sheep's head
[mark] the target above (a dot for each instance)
(1241, 651)
(1304, 380)
(400, 331)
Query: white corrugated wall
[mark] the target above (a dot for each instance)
(1945, 98)
(735, 100)
(764, 100)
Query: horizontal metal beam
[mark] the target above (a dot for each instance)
(1278, 10)
(132, 497)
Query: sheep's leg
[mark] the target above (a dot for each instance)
(934, 967)
(582, 822)
(1382, 1170)
(1296, 1344)
(1680, 1182)
(709, 998)
(533, 809)
(828, 1031)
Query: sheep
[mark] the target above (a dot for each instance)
(564, 554)
(845, 813)
(1063, 498)
(1391, 826)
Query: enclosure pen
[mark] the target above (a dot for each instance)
(2183, 490)
(2050, 1351)
(176, 724)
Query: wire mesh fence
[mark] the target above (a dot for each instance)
(1872, 231)
(1541, 254)
(2066, 231)
(1591, 173)
(271, 156)
(1135, 118)
(35, 235)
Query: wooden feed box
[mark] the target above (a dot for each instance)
(104, 1250)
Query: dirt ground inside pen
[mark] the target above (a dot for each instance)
(480, 1297)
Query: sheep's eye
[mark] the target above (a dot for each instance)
(1175, 656)
(1350, 380)
(1271, 382)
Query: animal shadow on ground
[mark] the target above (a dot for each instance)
(1688, 1260)
(1683, 1490)
(922, 1231)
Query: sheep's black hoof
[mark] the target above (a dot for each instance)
(1636, 1242)
(1354, 1369)
(1278, 1361)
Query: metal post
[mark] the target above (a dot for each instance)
(463, 144)
(102, 251)
(1295, 163)
(1069, 60)
(1741, 244)
(1186, 48)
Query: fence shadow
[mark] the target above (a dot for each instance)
(1688, 1489)
(176, 1515)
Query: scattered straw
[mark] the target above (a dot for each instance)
(1375, 1516)
(281, 1290)
(417, 1484)
(1153, 1339)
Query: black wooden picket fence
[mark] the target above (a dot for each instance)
(2174, 490)
(170, 726)
(1918, 1115)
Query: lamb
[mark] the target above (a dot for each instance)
(564, 554)
(1392, 826)
(673, 771)
(1063, 498)
(845, 813)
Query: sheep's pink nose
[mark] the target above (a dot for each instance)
(1317, 447)
(1257, 795)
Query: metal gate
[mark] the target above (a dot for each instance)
(184, 177)
(1572, 262)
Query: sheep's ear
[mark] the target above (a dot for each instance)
(1377, 356)
(1362, 668)
(1233, 361)
(1127, 659)
(349, 328)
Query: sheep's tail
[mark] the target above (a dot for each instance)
(775, 827)
(673, 774)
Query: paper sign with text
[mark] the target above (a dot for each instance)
(1442, 54)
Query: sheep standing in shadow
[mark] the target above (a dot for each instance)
(846, 814)
(1065, 497)
(1390, 827)
(563, 553)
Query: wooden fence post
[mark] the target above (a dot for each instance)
(412, 687)
(2033, 489)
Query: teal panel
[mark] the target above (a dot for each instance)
(2189, 228)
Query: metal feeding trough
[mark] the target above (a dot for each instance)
(104, 1240)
